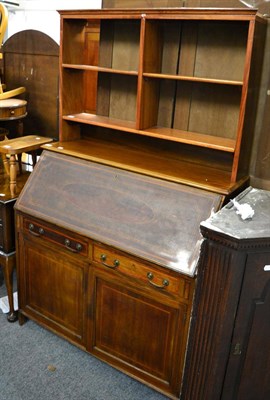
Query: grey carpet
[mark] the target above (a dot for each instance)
(35, 364)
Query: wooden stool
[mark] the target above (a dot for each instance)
(18, 146)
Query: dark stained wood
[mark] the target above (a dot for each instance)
(7, 236)
(247, 374)
(217, 292)
(227, 356)
(259, 165)
(31, 59)
(7, 262)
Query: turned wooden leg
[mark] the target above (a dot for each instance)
(8, 270)
(13, 174)
(6, 164)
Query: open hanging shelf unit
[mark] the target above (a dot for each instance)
(164, 92)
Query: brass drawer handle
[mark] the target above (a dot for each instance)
(36, 234)
(150, 277)
(103, 258)
(68, 246)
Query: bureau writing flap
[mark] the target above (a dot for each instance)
(148, 217)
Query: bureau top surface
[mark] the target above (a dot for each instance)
(147, 217)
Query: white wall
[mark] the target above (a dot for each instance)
(42, 15)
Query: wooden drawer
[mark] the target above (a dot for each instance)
(66, 240)
(153, 276)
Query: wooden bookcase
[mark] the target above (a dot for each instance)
(144, 94)
(163, 92)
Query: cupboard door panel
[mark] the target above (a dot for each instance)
(248, 373)
(145, 337)
(53, 289)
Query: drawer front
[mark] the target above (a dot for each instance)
(67, 241)
(147, 274)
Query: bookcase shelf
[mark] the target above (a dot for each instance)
(176, 135)
(172, 75)
(193, 79)
(99, 69)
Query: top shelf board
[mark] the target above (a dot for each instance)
(166, 13)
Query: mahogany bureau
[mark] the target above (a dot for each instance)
(106, 259)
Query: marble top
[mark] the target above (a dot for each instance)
(229, 221)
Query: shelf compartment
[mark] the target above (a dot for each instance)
(174, 135)
(120, 44)
(201, 49)
(117, 96)
(197, 107)
(109, 45)
(108, 95)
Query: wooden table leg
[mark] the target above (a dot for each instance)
(6, 164)
(13, 174)
(8, 262)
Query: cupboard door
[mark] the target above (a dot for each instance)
(248, 374)
(141, 335)
(52, 288)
